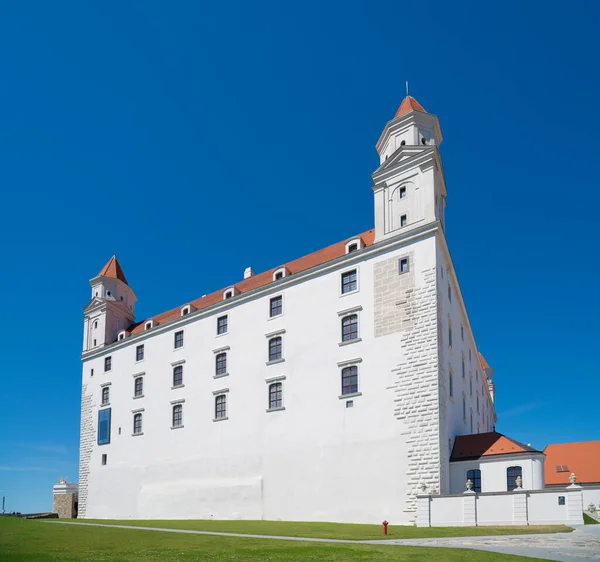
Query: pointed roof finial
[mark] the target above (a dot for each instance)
(407, 87)
(113, 269)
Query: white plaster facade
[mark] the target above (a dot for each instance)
(321, 456)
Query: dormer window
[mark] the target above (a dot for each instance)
(149, 324)
(230, 293)
(354, 245)
(280, 273)
(122, 335)
(185, 310)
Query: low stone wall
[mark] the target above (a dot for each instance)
(520, 507)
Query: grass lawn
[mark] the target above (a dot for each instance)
(587, 520)
(333, 530)
(44, 541)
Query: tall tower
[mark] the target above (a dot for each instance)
(112, 308)
(409, 184)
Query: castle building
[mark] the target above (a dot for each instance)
(330, 388)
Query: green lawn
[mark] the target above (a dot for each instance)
(587, 520)
(45, 541)
(332, 530)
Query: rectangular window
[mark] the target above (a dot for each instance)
(222, 325)
(402, 192)
(475, 477)
(451, 383)
(178, 339)
(403, 265)
(403, 220)
(221, 364)
(449, 293)
(220, 406)
(107, 363)
(178, 375)
(104, 426)
(450, 335)
(350, 380)
(275, 347)
(105, 395)
(276, 306)
(462, 333)
(104, 457)
(139, 353)
(512, 473)
(470, 386)
(349, 283)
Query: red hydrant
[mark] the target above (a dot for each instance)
(385, 524)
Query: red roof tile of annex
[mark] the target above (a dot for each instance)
(296, 266)
(582, 459)
(479, 445)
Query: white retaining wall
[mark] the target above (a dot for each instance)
(521, 507)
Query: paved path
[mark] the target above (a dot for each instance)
(582, 544)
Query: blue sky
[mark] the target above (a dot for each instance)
(195, 139)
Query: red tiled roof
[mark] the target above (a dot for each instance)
(486, 444)
(409, 104)
(113, 269)
(301, 264)
(484, 363)
(582, 459)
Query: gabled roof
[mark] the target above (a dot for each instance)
(301, 264)
(409, 104)
(582, 459)
(113, 269)
(480, 445)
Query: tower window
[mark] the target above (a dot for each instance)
(275, 348)
(108, 293)
(221, 364)
(220, 406)
(451, 383)
(349, 281)
(403, 265)
(178, 339)
(449, 293)
(177, 415)
(105, 395)
(107, 363)
(350, 327)
(350, 380)
(276, 306)
(403, 220)
(402, 192)
(94, 343)
(96, 324)
(137, 424)
(222, 325)
(403, 143)
(104, 457)
(275, 395)
(423, 140)
(178, 375)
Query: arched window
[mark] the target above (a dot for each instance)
(350, 327)
(475, 477)
(221, 364)
(178, 375)
(105, 395)
(220, 406)
(512, 472)
(177, 415)
(148, 325)
(137, 424)
(275, 345)
(350, 380)
(275, 395)
(138, 387)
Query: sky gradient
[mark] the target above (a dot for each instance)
(195, 139)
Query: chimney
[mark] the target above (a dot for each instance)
(248, 272)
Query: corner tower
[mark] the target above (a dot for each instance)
(409, 185)
(112, 308)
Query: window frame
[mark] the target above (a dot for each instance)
(346, 337)
(177, 372)
(401, 260)
(276, 298)
(179, 409)
(349, 371)
(108, 364)
(221, 364)
(222, 320)
(137, 428)
(511, 478)
(220, 410)
(474, 475)
(137, 379)
(403, 220)
(354, 283)
(178, 339)
(105, 397)
(275, 388)
(137, 353)
(275, 341)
